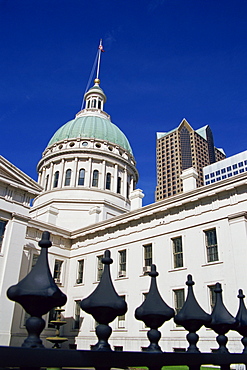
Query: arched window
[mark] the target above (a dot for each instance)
(95, 178)
(81, 177)
(119, 185)
(99, 104)
(67, 178)
(55, 182)
(94, 103)
(108, 181)
(128, 190)
(46, 182)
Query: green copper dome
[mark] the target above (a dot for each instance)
(91, 127)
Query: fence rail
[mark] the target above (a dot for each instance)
(103, 360)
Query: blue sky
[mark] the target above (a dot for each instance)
(164, 60)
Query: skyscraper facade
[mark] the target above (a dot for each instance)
(180, 149)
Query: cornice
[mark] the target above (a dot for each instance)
(178, 200)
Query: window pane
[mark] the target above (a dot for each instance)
(46, 182)
(211, 245)
(119, 185)
(147, 255)
(122, 263)
(81, 178)
(57, 270)
(108, 181)
(179, 299)
(55, 182)
(95, 178)
(80, 272)
(67, 178)
(121, 319)
(212, 296)
(99, 268)
(2, 230)
(177, 252)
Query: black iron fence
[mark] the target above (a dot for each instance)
(38, 294)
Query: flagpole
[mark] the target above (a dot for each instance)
(99, 55)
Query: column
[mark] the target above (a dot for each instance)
(125, 179)
(61, 174)
(115, 178)
(74, 173)
(103, 179)
(49, 187)
(88, 173)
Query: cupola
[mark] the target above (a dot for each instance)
(95, 97)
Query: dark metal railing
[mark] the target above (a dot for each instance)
(38, 294)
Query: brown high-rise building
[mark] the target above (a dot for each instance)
(180, 149)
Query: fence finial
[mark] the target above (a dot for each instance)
(222, 320)
(154, 312)
(38, 294)
(104, 304)
(192, 317)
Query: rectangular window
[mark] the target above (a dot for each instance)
(119, 185)
(147, 258)
(178, 300)
(122, 263)
(99, 267)
(212, 296)
(79, 279)
(121, 319)
(77, 314)
(211, 245)
(177, 252)
(57, 271)
(2, 230)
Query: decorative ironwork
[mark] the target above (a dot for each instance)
(222, 321)
(242, 320)
(104, 304)
(192, 317)
(38, 294)
(154, 312)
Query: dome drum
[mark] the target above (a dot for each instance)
(94, 171)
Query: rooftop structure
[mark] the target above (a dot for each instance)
(180, 149)
(228, 167)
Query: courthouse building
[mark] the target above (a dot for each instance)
(86, 197)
